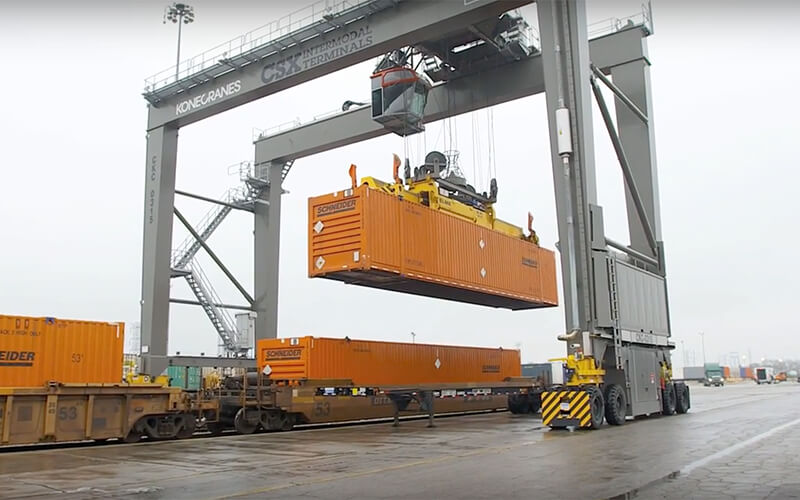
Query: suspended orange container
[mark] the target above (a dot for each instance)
(35, 351)
(372, 238)
(369, 362)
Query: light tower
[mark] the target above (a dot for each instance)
(703, 343)
(180, 13)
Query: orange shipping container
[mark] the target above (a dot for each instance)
(35, 351)
(726, 372)
(374, 363)
(376, 239)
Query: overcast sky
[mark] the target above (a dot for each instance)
(72, 131)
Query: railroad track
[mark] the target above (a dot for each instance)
(227, 433)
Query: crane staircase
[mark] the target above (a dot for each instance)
(185, 265)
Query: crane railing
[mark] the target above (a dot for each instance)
(208, 298)
(321, 10)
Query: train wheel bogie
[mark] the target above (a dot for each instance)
(188, 425)
(215, 428)
(133, 436)
(287, 422)
(244, 421)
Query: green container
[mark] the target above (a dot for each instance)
(185, 377)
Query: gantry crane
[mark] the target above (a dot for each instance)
(478, 54)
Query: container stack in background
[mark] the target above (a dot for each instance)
(189, 378)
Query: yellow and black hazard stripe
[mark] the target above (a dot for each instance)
(566, 408)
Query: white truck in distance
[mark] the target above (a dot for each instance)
(764, 375)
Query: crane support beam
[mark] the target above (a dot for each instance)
(159, 198)
(267, 236)
(212, 200)
(633, 253)
(209, 362)
(565, 55)
(620, 95)
(630, 182)
(215, 304)
(506, 83)
(370, 36)
(638, 140)
(213, 256)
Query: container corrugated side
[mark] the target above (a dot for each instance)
(367, 362)
(35, 351)
(375, 239)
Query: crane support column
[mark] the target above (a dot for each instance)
(267, 253)
(565, 60)
(638, 140)
(159, 200)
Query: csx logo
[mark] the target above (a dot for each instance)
(273, 354)
(339, 206)
(281, 69)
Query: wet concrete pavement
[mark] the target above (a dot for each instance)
(739, 441)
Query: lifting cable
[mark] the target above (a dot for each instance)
(474, 150)
(492, 150)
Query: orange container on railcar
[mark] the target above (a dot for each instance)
(35, 351)
(376, 363)
(427, 242)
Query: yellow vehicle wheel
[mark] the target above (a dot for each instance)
(597, 407)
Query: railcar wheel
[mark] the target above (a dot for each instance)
(188, 427)
(242, 424)
(133, 437)
(287, 422)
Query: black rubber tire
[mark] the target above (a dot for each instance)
(668, 400)
(616, 404)
(683, 402)
(241, 424)
(513, 405)
(518, 405)
(534, 403)
(597, 407)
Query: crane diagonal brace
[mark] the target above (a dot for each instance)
(214, 257)
(620, 94)
(626, 170)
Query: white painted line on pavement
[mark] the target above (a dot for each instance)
(738, 446)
